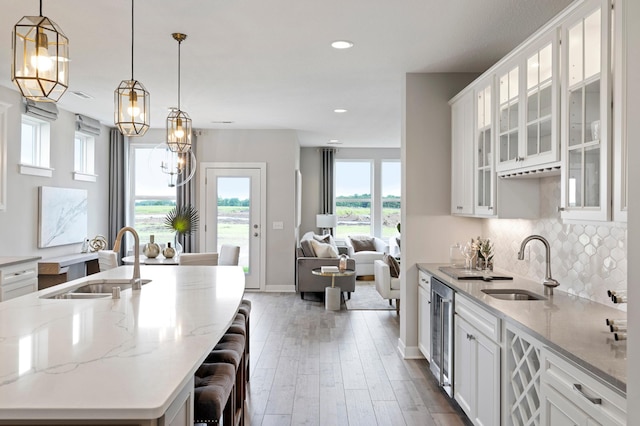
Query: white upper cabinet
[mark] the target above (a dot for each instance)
(620, 157)
(462, 155)
(483, 149)
(528, 107)
(586, 113)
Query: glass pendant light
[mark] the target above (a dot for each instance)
(180, 167)
(40, 58)
(178, 122)
(131, 113)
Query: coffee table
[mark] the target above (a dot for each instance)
(332, 294)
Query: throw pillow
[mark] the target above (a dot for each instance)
(307, 249)
(327, 239)
(324, 250)
(363, 243)
(394, 266)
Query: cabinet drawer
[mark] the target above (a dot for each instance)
(594, 397)
(485, 322)
(20, 272)
(17, 289)
(424, 281)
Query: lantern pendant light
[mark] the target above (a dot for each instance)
(178, 122)
(131, 112)
(40, 58)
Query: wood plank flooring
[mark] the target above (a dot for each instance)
(310, 366)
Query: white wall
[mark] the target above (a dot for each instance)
(428, 229)
(633, 136)
(19, 223)
(280, 150)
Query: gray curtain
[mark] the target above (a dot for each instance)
(117, 186)
(186, 194)
(328, 176)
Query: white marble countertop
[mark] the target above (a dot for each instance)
(110, 358)
(14, 260)
(573, 326)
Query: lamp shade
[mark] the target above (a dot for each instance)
(326, 220)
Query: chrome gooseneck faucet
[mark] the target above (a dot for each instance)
(549, 283)
(135, 280)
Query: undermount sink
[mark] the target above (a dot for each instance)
(512, 294)
(92, 289)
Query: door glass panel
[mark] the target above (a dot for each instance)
(504, 147)
(545, 135)
(545, 63)
(504, 88)
(532, 106)
(487, 147)
(504, 122)
(532, 71)
(545, 100)
(513, 83)
(575, 54)
(487, 188)
(532, 139)
(575, 117)
(513, 145)
(592, 111)
(575, 178)
(487, 106)
(234, 208)
(592, 177)
(481, 188)
(592, 50)
(513, 116)
(481, 155)
(480, 106)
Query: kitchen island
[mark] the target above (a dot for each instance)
(114, 361)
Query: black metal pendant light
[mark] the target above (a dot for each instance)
(131, 101)
(178, 122)
(40, 66)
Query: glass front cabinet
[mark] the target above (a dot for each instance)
(586, 114)
(484, 161)
(528, 107)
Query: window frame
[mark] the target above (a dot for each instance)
(84, 164)
(40, 162)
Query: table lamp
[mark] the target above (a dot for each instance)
(326, 222)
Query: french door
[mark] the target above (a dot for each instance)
(233, 212)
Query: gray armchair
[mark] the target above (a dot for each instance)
(307, 282)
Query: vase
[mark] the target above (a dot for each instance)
(151, 249)
(176, 244)
(168, 251)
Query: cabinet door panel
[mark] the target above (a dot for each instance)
(487, 381)
(464, 366)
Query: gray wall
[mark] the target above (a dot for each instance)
(428, 229)
(19, 223)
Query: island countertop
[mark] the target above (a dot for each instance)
(110, 358)
(573, 326)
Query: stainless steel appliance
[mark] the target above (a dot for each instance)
(442, 334)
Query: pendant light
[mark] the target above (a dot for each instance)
(178, 122)
(180, 167)
(40, 58)
(131, 113)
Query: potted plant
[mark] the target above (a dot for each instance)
(183, 220)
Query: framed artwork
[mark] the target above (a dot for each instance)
(63, 216)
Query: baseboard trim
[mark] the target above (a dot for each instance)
(409, 352)
(280, 288)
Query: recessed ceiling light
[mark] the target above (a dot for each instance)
(339, 110)
(82, 95)
(334, 141)
(222, 122)
(342, 44)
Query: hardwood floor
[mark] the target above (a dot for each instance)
(315, 367)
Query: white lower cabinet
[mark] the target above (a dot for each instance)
(572, 396)
(18, 280)
(477, 363)
(424, 314)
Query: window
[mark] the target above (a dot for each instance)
(34, 147)
(368, 197)
(353, 198)
(151, 197)
(84, 157)
(391, 197)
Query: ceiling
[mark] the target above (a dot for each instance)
(269, 64)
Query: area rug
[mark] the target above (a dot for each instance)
(367, 298)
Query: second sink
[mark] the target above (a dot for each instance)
(512, 294)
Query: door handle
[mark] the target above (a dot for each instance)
(255, 234)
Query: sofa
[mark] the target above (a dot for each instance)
(365, 258)
(307, 261)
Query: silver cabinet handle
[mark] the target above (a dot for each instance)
(595, 401)
(470, 337)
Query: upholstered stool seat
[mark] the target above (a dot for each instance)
(245, 309)
(214, 396)
(231, 349)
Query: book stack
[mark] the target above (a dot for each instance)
(327, 269)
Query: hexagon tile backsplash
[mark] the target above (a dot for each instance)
(587, 259)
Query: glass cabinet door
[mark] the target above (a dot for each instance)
(586, 115)
(509, 115)
(484, 154)
(539, 102)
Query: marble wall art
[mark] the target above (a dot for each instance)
(63, 216)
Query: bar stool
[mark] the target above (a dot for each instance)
(214, 395)
(230, 350)
(245, 309)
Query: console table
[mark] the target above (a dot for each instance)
(58, 270)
